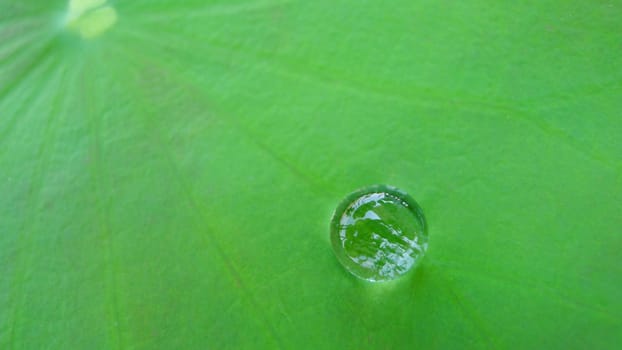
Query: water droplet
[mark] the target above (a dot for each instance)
(90, 18)
(379, 233)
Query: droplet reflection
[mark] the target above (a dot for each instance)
(379, 233)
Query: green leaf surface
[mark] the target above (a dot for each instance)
(168, 170)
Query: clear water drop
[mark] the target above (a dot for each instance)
(379, 233)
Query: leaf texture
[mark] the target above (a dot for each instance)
(167, 180)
